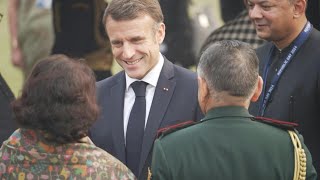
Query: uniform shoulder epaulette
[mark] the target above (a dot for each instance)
(278, 123)
(173, 128)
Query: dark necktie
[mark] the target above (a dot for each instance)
(135, 128)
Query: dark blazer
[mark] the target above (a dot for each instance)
(296, 97)
(7, 124)
(176, 105)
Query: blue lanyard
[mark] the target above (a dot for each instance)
(296, 45)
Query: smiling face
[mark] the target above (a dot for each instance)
(135, 43)
(273, 19)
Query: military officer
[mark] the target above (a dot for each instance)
(229, 143)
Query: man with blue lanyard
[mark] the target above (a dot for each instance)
(290, 67)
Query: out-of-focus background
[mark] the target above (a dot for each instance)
(205, 18)
(14, 76)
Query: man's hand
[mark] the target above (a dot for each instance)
(17, 57)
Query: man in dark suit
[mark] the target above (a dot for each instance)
(289, 66)
(229, 143)
(130, 119)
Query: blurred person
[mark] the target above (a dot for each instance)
(54, 112)
(79, 33)
(151, 92)
(6, 96)
(289, 66)
(229, 143)
(230, 9)
(7, 125)
(31, 32)
(240, 28)
(178, 42)
(313, 13)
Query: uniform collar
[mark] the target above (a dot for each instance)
(227, 111)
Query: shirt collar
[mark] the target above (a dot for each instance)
(286, 49)
(150, 78)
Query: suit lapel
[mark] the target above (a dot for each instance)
(162, 96)
(116, 109)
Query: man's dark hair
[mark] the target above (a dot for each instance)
(130, 9)
(230, 66)
(58, 98)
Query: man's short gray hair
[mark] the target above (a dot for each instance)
(230, 66)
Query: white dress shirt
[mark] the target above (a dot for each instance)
(129, 97)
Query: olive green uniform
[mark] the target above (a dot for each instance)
(227, 144)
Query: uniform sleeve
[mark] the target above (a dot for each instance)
(311, 172)
(159, 168)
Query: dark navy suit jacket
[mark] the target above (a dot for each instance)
(7, 124)
(175, 105)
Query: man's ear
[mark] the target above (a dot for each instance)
(258, 90)
(203, 87)
(203, 94)
(161, 33)
(299, 8)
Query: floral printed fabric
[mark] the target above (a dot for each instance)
(26, 155)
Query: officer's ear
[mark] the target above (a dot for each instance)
(203, 93)
(257, 90)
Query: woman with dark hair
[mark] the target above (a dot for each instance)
(55, 110)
